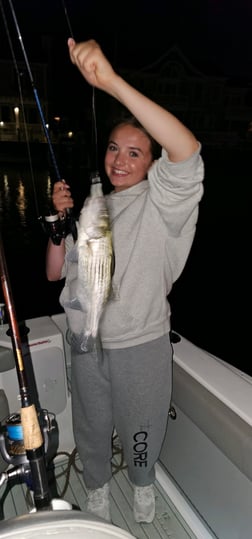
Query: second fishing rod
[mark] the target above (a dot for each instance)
(57, 226)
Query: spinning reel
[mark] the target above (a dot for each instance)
(58, 226)
(12, 447)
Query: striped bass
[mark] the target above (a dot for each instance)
(95, 258)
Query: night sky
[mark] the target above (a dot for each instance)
(214, 33)
(215, 36)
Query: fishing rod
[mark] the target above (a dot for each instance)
(55, 225)
(32, 435)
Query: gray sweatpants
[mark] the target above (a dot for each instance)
(130, 389)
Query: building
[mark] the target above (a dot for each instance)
(21, 120)
(216, 108)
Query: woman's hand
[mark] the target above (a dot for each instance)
(61, 196)
(92, 63)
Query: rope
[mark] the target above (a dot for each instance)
(72, 457)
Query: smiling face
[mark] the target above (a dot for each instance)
(128, 156)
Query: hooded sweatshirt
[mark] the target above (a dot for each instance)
(153, 226)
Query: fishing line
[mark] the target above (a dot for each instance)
(22, 105)
(94, 122)
(94, 126)
(67, 19)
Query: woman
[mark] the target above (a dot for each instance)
(153, 210)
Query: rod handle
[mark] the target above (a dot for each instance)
(31, 429)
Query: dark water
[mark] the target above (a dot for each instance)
(209, 301)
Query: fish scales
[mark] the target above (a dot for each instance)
(95, 259)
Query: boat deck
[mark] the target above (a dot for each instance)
(68, 485)
(174, 519)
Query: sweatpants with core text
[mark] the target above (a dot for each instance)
(128, 389)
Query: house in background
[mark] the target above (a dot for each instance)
(217, 109)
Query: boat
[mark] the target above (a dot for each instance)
(203, 484)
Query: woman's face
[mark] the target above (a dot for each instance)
(128, 157)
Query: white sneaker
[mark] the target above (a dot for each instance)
(98, 502)
(144, 504)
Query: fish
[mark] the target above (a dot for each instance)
(95, 259)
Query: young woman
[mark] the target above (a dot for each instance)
(153, 209)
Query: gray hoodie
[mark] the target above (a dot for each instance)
(153, 227)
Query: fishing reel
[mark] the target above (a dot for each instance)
(12, 447)
(54, 225)
(58, 225)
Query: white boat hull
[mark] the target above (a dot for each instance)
(208, 448)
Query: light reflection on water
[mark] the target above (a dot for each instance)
(6, 184)
(49, 186)
(20, 201)
(4, 194)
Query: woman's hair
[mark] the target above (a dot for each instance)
(131, 120)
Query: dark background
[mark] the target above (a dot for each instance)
(214, 34)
